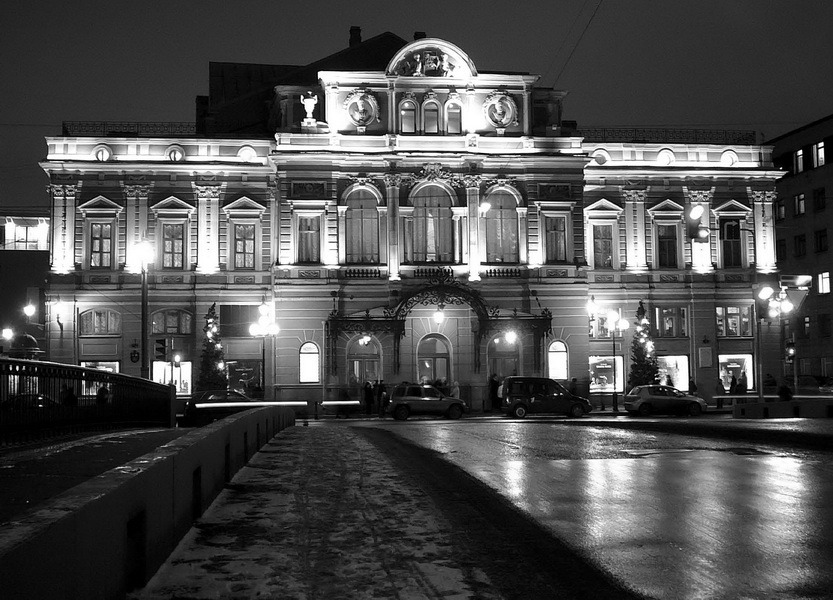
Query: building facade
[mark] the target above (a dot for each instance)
(803, 217)
(419, 220)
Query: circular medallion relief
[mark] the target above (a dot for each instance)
(361, 107)
(500, 110)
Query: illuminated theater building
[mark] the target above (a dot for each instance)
(402, 215)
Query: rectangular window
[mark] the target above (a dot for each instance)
(454, 119)
(819, 201)
(555, 239)
(780, 249)
(818, 155)
(736, 366)
(309, 240)
(674, 371)
(101, 255)
(733, 321)
(800, 245)
(820, 240)
(798, 204)
(824, 283)
(798, 161)
(731, 243)
(173, 245)
(431, 118)
(670, 321)
(603, 246)
(780, 209)
(244, 246)
(667, 246)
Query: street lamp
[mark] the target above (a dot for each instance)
(144, 252)
(263, 327)
(616, 322)
(770, 305)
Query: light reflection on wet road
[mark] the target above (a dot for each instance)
(672, 516)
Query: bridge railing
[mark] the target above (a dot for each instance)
(41, 399)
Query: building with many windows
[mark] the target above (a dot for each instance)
(803, 217)
(403, 215)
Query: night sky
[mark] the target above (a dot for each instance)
(733, 64)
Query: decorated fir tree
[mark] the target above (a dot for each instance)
(644, 366)
(212, 362)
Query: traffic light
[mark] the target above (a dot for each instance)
(697, 232)
(763, 300)
(790, 352)
(160, 349)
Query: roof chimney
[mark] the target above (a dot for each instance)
(419, 35)
(355, 36)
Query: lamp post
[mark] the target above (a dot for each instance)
(775, 305)
(616, 322)
(263, 328)
(144, 251)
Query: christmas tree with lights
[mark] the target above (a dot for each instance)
(644, 366)
(212, 362)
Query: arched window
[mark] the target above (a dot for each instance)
(407, 116)
(557, 361)
(362, 228)
(433, 362)
(500, 224)
(453, 118)
(309, 359)
(100, 322)
(172, 322)
(431, 118)
(430, 237)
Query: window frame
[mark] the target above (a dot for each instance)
(818, 154)
(112, 319)
(298, 218)
(184, 322)
(91, 223)
(819, 199)
(823, 283)
(678, 316)
(799, 204)
(413, 107)
(820, 241)
(309, 355)
(183, 253)
(501, 221)
(234, 223)
(799, 245)
(744, 325)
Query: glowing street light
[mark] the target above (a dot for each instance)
(264, 327)
(616, 322)
(144, 251)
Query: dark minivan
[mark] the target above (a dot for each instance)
(533, 395)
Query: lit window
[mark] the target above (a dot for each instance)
(362, 228)
(244, 246)
(798, 161)
(501, 228)
(407, 117)
(733, 321)
(824, 282)
(431, 118)
(818, 154)
(670, 321)
(798, 204)
(557, 360)
(454, 119)
(429, 236)
(100, 322)
(603, 246)
(309, 363)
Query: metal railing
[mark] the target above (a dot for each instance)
(41, 399)
(129, 128)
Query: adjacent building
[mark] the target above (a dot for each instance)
(402, 215)
(803, 217)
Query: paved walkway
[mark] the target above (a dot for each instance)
(319, 513)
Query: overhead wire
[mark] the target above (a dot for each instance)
(578, 41)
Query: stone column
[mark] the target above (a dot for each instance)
(472, 185)
(635, 229)
(62, 256)
(701, 254)
(135, 216)
(392, 183)
(208, 228)
(764, 231)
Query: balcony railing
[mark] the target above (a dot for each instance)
(129, 128)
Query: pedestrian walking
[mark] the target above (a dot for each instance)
(742, 385)
(574, 386)
(719, 390)
(733, 385)
(494, 384)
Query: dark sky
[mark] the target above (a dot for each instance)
(734, 64)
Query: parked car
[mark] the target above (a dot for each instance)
(662, 399)
(826, 386)
(408, 399)
(808, 385)
(32, 401)
(536, 395)
(207, 406)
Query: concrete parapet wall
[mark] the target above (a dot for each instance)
(109, 535)
(810, 407)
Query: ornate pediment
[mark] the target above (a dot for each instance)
(603, 206)
(100, 205)
(732, 207)
(666, 207)
(431, 57)
(172, 206)
(244, 207)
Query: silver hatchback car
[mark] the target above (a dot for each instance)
(421, 399)
(646, 400)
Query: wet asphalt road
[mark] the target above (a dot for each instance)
(664, 515)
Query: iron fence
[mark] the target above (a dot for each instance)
(41, 399)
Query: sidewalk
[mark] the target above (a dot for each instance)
(319, 513)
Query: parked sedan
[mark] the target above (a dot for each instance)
(662, 399)
(415, 399)
(207, 406)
